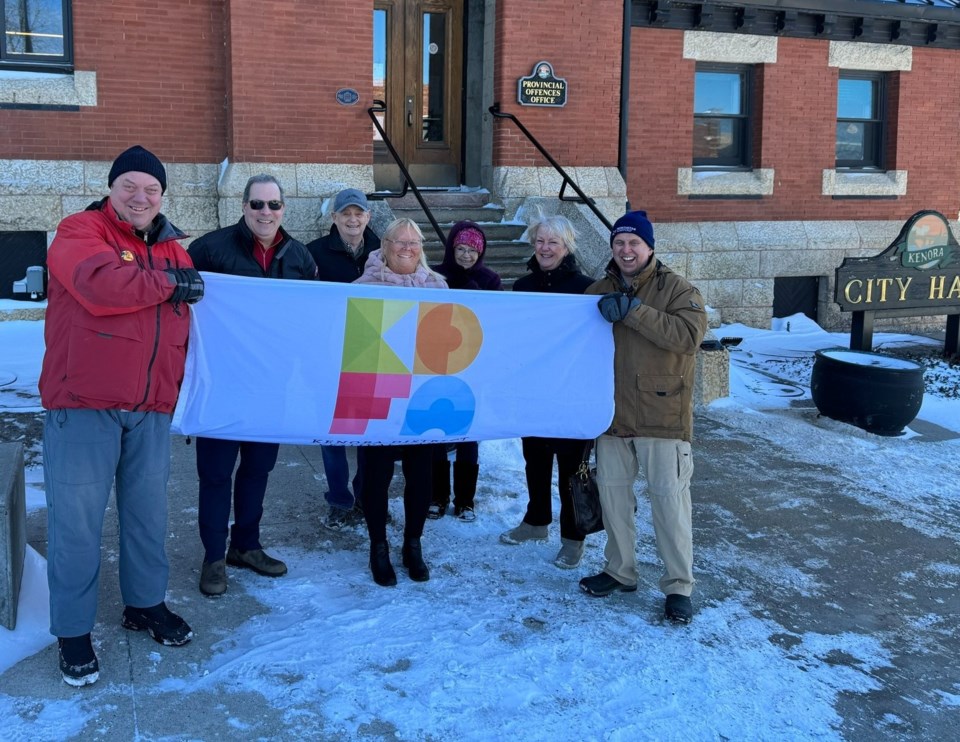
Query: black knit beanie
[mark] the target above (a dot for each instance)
(139, 160)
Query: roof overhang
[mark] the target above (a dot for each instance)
(874, 21)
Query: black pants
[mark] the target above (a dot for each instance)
(377, 473)
(215, 461)
(538, 454)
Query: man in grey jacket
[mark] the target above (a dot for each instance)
(658, 322)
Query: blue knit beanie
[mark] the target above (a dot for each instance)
(138, 159)
(634, 222)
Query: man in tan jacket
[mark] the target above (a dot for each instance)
(658, 322)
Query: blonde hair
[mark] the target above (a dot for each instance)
(406, 223)
(557, 225)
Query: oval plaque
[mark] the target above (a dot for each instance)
(347, 96)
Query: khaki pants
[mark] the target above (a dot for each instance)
(668, 467)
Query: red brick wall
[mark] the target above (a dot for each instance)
(288, 59)
(661, 121)
(799, 109)
(159, 82)
(198, 80)
(582, 41)
(797, 132)
(929, 119)
(172, 78)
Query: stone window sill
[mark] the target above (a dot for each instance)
(864, 183)
(45, 89)
(692, 182)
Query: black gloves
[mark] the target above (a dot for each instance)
(187, 285)
(614, 307)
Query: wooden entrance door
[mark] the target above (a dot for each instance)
(418, 72)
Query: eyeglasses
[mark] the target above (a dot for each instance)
(551, 242)
(464, 250)
(406, 243)
(256, 204)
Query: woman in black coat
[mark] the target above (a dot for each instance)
(553, 269)
(463, 268)
(400, 262)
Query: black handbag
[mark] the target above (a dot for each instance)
(587, 515)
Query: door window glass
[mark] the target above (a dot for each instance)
(379, 63)
(434, 64)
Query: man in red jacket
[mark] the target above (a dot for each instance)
(116, 334)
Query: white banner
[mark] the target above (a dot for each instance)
(352, 364)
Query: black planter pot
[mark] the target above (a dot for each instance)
(873, 391)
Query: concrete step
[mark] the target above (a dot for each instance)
(493, 232)
(441, 198)
(500, 251)
(453, 214)
(506, 254)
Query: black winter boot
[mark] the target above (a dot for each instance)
(380, 566)
(441, 488)
(163, 625)
(78, 663)
(413, 560)
(464, 484)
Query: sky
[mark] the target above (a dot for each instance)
(566, 666)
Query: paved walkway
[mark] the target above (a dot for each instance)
(767, 523)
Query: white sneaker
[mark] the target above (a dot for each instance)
(466, 514)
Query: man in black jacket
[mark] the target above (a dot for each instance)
(341, 254)
(255, 246)
(340, 257)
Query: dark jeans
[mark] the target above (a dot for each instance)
(215, 462)
(377, 465)
(538, 454)
(465, 470)
(468, 452)
(337, 470)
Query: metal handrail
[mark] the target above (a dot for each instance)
(380, 107)
(567, 180)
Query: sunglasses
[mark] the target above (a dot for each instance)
(256, 204)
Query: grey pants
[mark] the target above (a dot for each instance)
(84, 451)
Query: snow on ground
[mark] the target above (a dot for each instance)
(329, 641)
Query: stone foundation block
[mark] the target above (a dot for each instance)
(13, 530)
(712, 380)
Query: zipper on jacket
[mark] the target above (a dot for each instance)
(156, 344)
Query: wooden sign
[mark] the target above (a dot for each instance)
(921, 269)
(918, 274)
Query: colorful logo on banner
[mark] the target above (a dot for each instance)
(387, 346)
